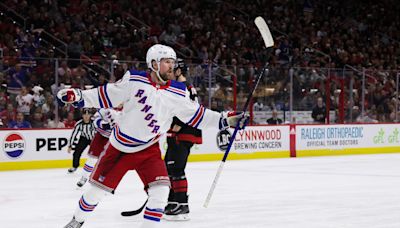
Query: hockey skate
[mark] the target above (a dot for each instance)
(81, 182)
(176, 212)
(74, 224)
(72, 170)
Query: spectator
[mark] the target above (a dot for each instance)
(3, 100)
(25, 102)
(74, 50)
(69, 121)
(20, 122)
(258, 105)
(54, 122)
(37, 121)
(48, 108)
(8, 115)
(64, 73)
(38, 97)
(57, 87)
(319, 111)
(79, 74)
(274, 120)
(18, 77)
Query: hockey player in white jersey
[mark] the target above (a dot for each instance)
(150, 103)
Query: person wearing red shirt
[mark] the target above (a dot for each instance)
(70, 122)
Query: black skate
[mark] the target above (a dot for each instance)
(176, 212)
(74, 224)
(170, 207)
(72, 170)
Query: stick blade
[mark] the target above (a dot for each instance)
(264, 30)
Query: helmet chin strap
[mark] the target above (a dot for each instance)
(158, 74)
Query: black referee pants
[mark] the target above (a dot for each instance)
(79, 148)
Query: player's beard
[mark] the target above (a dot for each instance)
(168, 75)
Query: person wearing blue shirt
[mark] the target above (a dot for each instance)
(20, 122)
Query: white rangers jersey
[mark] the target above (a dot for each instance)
(101, 125)
(102, 121)
(148, 109)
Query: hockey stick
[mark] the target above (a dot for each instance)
(134, 212)
(269, 42)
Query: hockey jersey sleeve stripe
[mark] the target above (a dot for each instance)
(201, 119)
(103, 97)
(175, 91)
(198, 116)
(108, 98)
(194, 116)
(139, 79)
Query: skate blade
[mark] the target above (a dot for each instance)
(176, 218)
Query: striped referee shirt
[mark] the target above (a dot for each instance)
(82, 129)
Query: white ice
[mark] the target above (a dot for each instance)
(317, 192)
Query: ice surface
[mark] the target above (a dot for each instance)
(316, 192)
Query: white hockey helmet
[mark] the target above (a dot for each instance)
(158, 52)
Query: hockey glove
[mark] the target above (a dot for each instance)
(71, 96)
(231, 119)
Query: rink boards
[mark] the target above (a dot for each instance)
(33, 149)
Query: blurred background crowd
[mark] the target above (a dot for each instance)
(345, 52)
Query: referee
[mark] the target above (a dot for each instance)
(81, 137)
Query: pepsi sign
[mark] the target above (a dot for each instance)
(14, 145)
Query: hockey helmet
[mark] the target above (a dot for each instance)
(158, 52)
(180, 64)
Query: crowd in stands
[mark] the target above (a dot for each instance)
(317, 39)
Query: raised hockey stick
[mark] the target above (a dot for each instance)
(134, 212)
(269, 42)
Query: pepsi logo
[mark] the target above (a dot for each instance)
(14, 145)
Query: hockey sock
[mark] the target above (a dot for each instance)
(88, 167)
(88, 202)
(179, 185)
(158, 195)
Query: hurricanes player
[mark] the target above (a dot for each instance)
(180, 139)
(150, 102)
